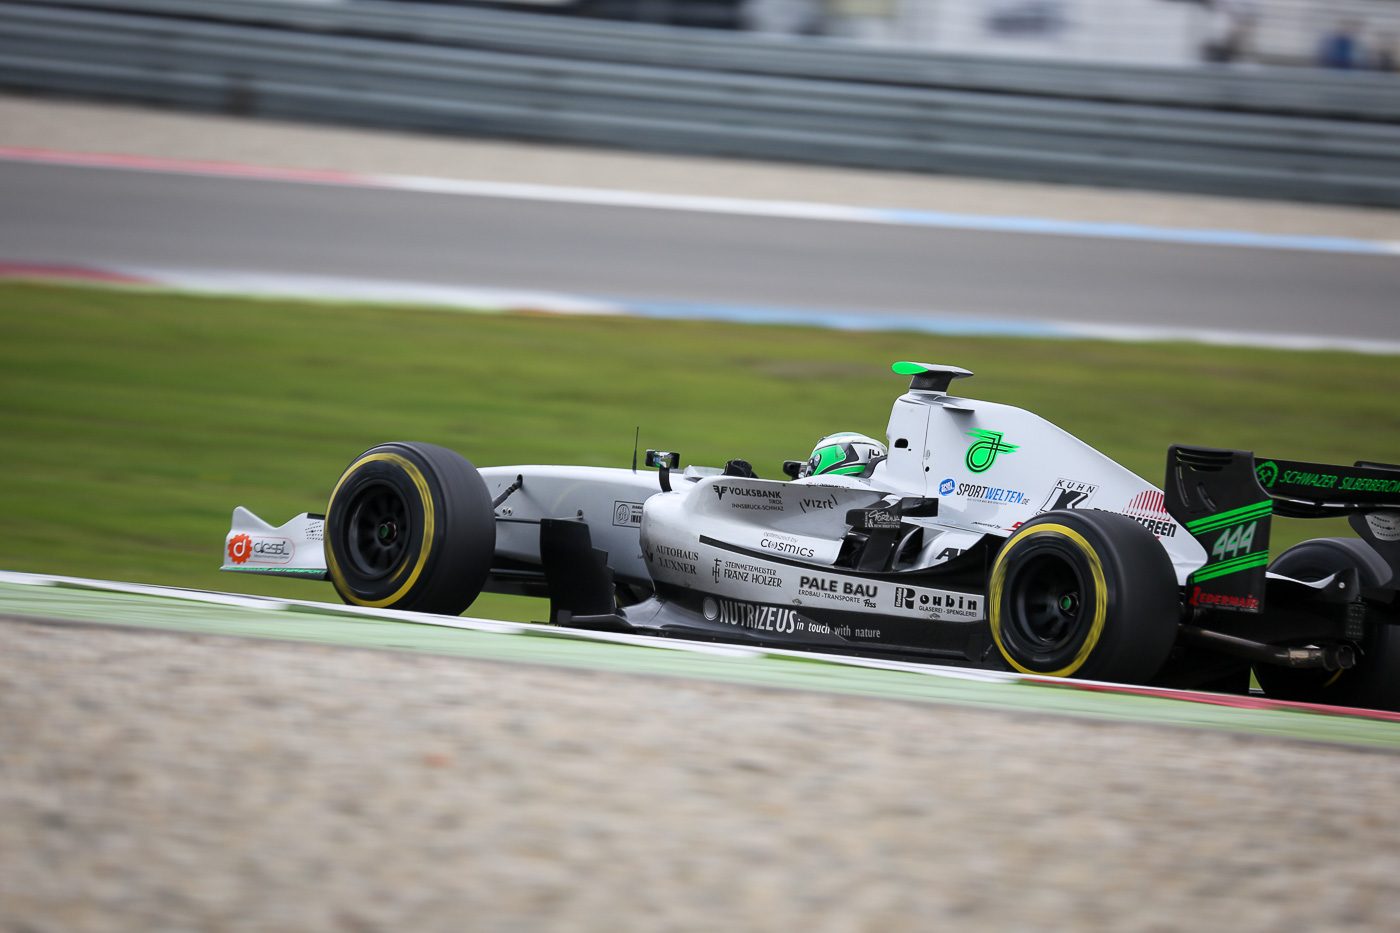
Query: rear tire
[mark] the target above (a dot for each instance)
(1084, 594)
(1374, 682)
(410, 526)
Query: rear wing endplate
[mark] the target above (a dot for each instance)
(1216, 497)
(1226, 500)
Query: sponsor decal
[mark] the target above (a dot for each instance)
(674, 558)
(881, 520)
(1365, 484)
(1384, 525)
(785, 544)
(818, 504)
(1315, 480)
(873, 519)
(845, 591)
(239, 547)
(1267, 472)
(946, 487)
(939, 605)
(250, 549)
(740, 572)
(993, 494)
(750, 491)
(1246, 603)
(1149, 509)
(755, 617)
(754, 498)
(983, 452)
(627, 514)
(948, 553)
(1068, 494)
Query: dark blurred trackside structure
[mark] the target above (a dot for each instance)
(1290, 99)
(1344, 34)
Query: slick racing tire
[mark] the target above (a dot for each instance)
(1084, 594)
(1375, 680)
(410, 526)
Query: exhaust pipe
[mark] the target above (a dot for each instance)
(1330, 657)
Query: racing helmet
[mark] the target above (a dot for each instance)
(845, 453)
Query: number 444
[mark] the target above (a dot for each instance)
(1233, 541)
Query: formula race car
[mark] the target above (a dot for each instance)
(982, 536)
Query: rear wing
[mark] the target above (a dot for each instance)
(1226, 500)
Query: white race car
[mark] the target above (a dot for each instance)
(982, 535)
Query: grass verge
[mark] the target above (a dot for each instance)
(134, 422)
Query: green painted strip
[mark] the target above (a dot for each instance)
(1230, 566)
(1244, 560)
(1232, 517)
(1220, 526)
(278, 571)
(963, 689)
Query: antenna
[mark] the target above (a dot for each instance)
(635, 439)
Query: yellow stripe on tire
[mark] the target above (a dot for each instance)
(998, 583)
(427, 542)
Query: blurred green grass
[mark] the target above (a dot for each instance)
(131, 423)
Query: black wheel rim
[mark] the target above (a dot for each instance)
(1047, 605)
(378, 530)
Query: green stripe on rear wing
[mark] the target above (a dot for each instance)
(1233, 517)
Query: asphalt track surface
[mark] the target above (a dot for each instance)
(84, 215)
(161, 775)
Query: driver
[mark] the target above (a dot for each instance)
(845, 453)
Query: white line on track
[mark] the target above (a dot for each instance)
(793, 210)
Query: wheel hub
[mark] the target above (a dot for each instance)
(388, 531)
(378, 529)
(1045, 618)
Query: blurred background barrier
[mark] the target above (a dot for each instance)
(1328, 134)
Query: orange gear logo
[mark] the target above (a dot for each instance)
(239, 547)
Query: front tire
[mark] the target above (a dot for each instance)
(1374, 682)
(1084, 594)
(410, 526)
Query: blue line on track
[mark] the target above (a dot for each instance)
(1141, 232)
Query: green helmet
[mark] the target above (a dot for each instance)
(846, 453)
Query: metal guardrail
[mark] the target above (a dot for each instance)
(489, 73)
(1310, 92)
